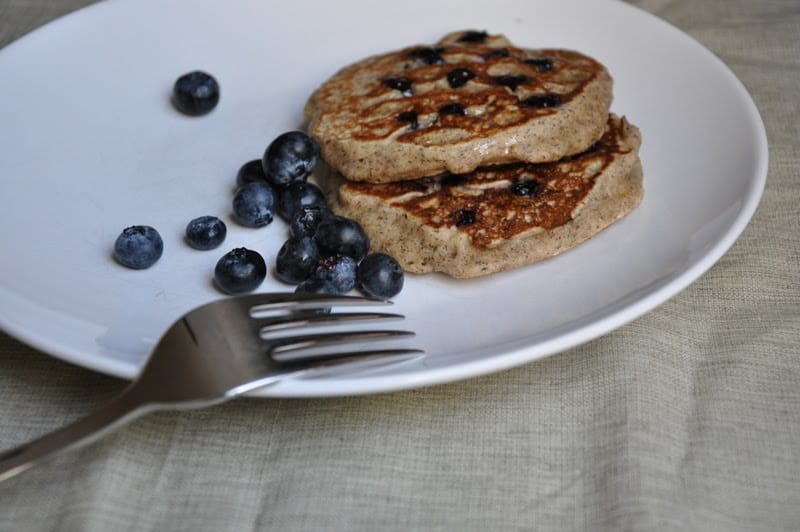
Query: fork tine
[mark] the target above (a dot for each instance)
(347, 357)
(300, 319)
(278, 346)
(262, 303)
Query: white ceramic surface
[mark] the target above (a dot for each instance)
(90, 145)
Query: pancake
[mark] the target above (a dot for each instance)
(497, 217)
(470, 100)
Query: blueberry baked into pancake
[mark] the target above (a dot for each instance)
(470, 100)
(473, 156)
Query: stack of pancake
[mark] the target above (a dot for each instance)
(474, 156)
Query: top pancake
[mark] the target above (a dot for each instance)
(470, 100)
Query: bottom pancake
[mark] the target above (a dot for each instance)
(498, 217)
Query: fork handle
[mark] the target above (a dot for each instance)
(122, 409)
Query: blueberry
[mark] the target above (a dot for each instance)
(542, 101)
(380, 275)
(206, 232)
(338, 273)
(459, 77)
(195, 93)
(464, 217)
(138, 247)
(341, 236)
(307, 218)
(511, 81)
(297, 259)
(410, 117)
(401, 84)
(254, 204)
(526, 187)
(290, 157)
(240, 270)
(299, 194)
(251, 171)
(452, 109)
(430, 56)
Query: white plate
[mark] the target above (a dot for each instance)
(90, 145)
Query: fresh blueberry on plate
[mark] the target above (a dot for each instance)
(254, 204)
(380, 275)
(298, 194)
(239, 271)
(307, 218)
(205, 232)
(338, 273)
(138, 247)
(338, 235)
(195, 93)
(251, 171)
(290, 157)
(297, 259)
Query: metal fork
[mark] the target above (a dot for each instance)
(219, 351)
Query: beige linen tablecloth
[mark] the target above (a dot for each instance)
(686, 418)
